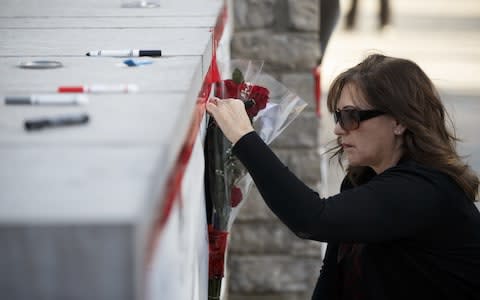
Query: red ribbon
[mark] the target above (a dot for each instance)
(217, 244)
(317, 89)
(174, 181)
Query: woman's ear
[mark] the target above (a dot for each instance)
(398, 128)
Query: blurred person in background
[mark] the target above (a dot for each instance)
(329, 14)
(384, 15)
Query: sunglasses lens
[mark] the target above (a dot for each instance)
(349, 119)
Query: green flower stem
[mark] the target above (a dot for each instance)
(214, 288)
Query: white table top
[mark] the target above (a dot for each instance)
(114, 168)
(108, 22)
(78, 41)
(96, 8)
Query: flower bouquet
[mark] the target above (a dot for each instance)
(271, 107)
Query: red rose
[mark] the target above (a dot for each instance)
(227, 89)
(235, 196)
(259, 94)
(230, 89)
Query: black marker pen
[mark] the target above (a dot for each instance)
(65, 120)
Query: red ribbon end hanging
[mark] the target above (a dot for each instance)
(217, 241)
(317, 86)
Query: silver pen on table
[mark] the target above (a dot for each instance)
(47, 99)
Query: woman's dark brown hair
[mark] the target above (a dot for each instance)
(401, 89)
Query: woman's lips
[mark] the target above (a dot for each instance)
(346, 146)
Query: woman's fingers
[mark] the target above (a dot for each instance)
(211, 107)
(231, 116)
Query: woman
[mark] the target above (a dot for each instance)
(404, 225)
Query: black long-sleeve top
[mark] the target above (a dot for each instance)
(408, 233)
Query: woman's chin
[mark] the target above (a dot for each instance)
(356, 163)
(353, 162)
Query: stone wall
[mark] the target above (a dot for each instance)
(266, 261)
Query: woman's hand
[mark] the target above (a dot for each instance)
(231, 116)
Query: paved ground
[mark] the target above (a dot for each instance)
(442, 36)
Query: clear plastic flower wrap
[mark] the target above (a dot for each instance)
(271, 108)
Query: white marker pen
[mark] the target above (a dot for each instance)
(47, 99)
(99, 88)
(125, 53)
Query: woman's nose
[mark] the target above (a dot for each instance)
(338, 130)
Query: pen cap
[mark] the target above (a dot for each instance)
(18, 100)
(150, 53)
(70, 89)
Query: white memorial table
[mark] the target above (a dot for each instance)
(111, 209)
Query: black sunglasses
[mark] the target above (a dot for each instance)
(350, 118)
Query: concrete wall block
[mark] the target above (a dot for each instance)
(302, 85)
(304, 163)
(266, 260)
(270, 238)
(253, 14)
(307, 248)
(254, 274)
(302, 133)
(283, 51)
(255, 209)
(304, 15)
(261, 238)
